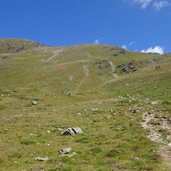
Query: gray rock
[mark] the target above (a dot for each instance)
(128, 67)
(65, 150)
(156, 102)
(41, 158)
(69, 94)
(72, 131)
(34, 102)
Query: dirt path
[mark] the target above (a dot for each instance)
(91, 56)
(55, 53)
(112, 66)
(86, 74)
(165, 152)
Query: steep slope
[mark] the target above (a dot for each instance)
(102, 89)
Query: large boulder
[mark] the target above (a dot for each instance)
(72, 131)
(65, 150)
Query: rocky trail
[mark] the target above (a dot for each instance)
(158, 126)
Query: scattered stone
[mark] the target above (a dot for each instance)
(155, 136)
(65, 150)
(72, 131)
(156, 124)
(95, 110)
(4, 57)
(116, 51)
(128, 67)
(134, 111)
(156, 102)
(111, 111)
(34, 102)
(48, 131)
(102, 63)
(41, 158)
(69, 94)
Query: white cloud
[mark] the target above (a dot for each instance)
(124, 47)
(143, 3)
(156, 49)
(158, 5)
(96, 41)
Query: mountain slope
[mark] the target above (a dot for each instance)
(15, 45)
(102, 89)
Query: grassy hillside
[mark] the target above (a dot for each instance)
(15, 45)
(83, 86)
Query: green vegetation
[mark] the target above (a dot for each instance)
(75, 87)
(16, 45)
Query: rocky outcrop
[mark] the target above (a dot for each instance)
(128, 67)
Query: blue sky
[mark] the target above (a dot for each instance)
(133, 24)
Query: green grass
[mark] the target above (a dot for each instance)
(102, 106)
(15, 45)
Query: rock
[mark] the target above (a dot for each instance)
(156, 124)
(134, 111)
(65, 150)
(34, 102)
(155, 136)
(102, 63)
(111, 111)
(128, 68)
(72, 131)
(156, 102)
(4, 57)
(41, 158)
(69, 93)
(48, 131)
(95, 110)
